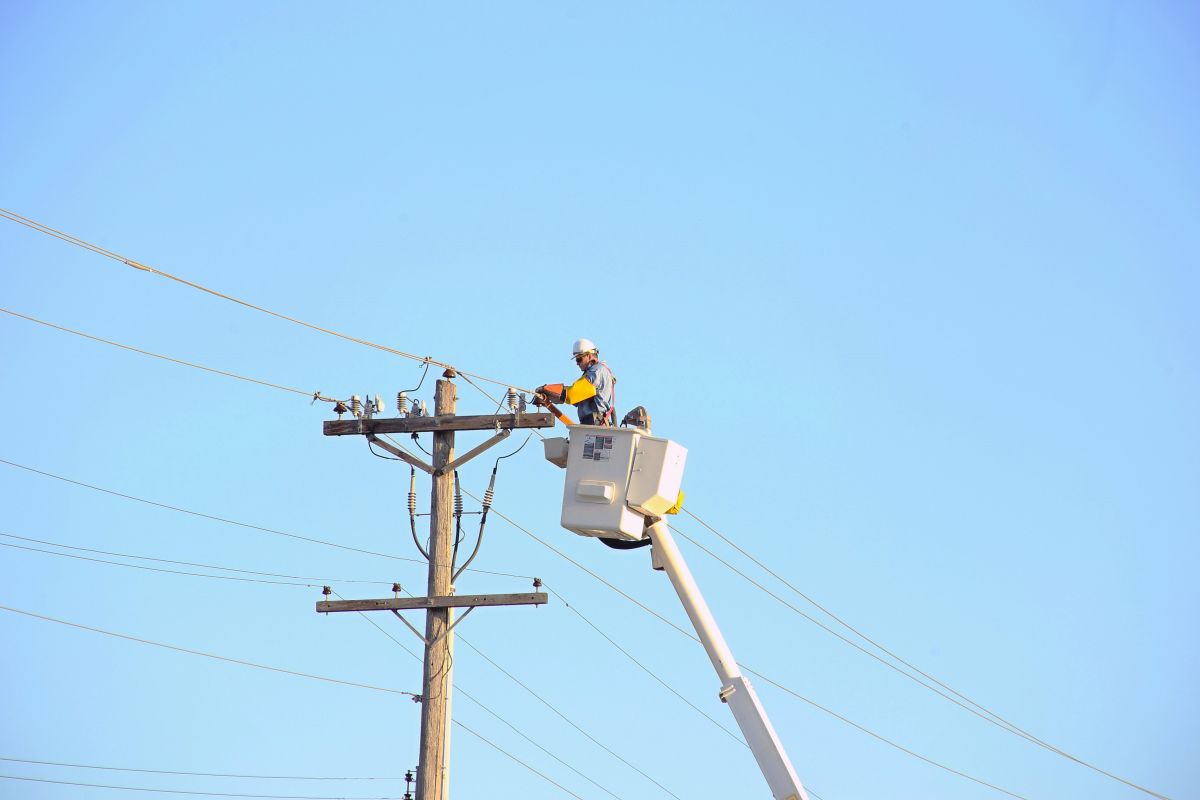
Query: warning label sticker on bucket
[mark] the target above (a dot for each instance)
(597, 447)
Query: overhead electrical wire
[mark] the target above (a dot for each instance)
(156, 569)
(213, 656)
(247, 525)
(643, 667)
(871, 733)
(550, 705)
(213, 370)
(651, 673)
(66, 237)
(186, 792)
(511, 522)
(313, 395)
(567, 719)
(310, 585)
(594, 575)
(497, 747)
(458, 689)
(207, 566)
(792, 692)
(426, 360)
(283, 671)
(194, 774)
(516, 525)
(832, 632)
(42, 228)
(311, 581)
(211, 566)
(983, 712)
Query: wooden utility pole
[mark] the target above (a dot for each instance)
(436, 683)
(433, 772)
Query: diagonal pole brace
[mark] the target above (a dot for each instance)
(400, 454)
(467, 456)
(453, 625)
(419, 635)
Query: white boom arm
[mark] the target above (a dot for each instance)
(735, 688)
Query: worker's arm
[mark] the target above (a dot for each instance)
(574, 394)
(579, 391)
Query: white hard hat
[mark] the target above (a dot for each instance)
(582, 346)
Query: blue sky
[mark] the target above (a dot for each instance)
(915, 285)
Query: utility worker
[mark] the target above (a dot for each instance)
(594, 394)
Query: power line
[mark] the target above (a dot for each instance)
(497, 747)
(272, 669)
(75, 240)
(192, 774)
(66, 237)
(832, 632)
(182, 791)
(592, 574)
(154, 569)
(546, 703)
(589, 572)
(480, 704)
(464, 692)
(158, 355)
(427, 360)
(652, 674)
(313, 581)
(568, 720)
(516, 525)
(792, 692)
(643, 667)
(108, 253)
(987, 714)
(871, 733)
(202, 653)
(983, 712)
(246, 525)
(645, 608)
(226, 373)
(224, 577)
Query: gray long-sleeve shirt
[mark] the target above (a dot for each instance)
(599, 409)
